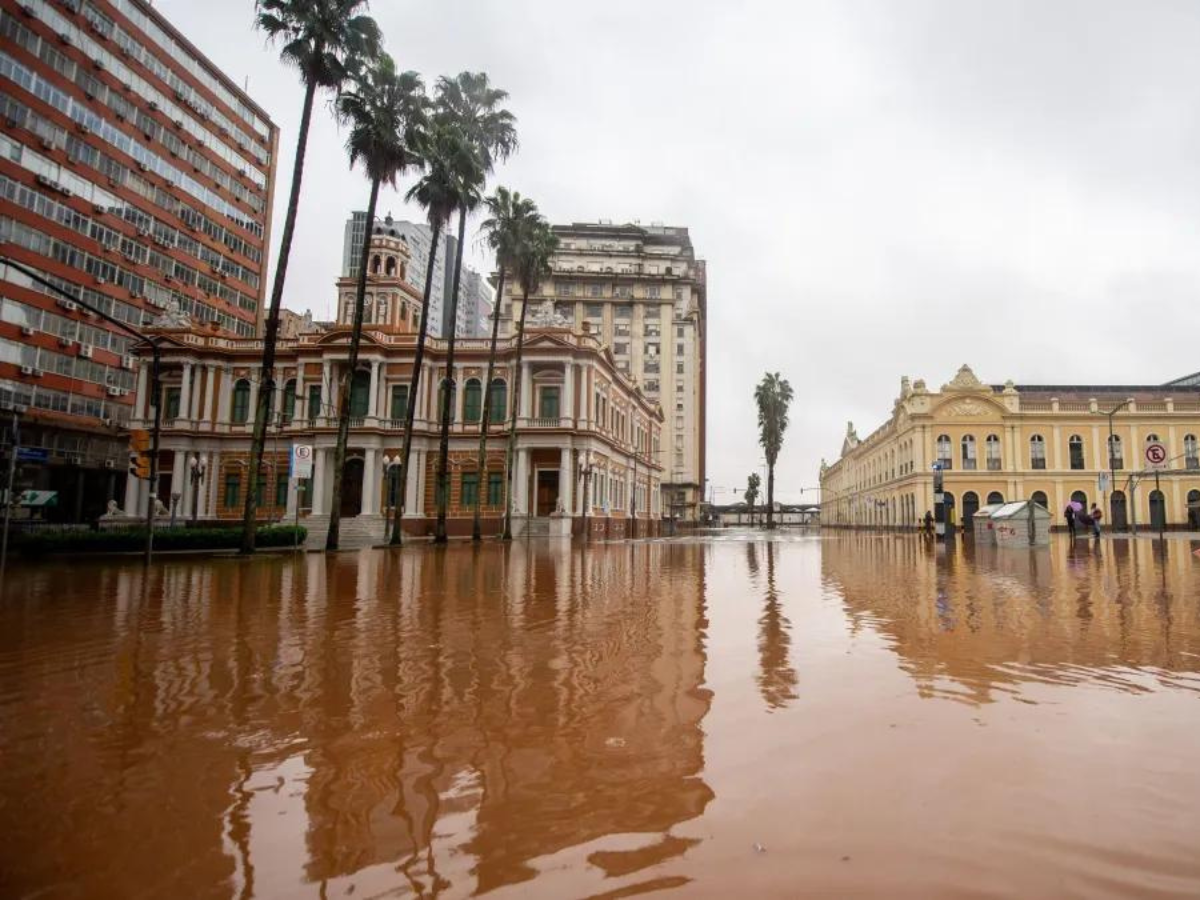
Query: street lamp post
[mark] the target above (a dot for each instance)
(585, 469)
(391, 519)
(1112, 468)
(197, 469)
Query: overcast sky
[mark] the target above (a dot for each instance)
(880, 188)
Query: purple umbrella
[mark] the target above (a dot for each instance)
(1076, 505)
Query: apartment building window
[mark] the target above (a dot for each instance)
(624, 311)
(621, 349)
(595, 290)
(621, 329)
(992, 447)
(654, 291)
(652, 386)
(678, 293)
(652, 312)
(595, 311)
(679, 406)
(468, 489)
(651, 329)
(678, 368)
(622, 291)
(563, 288)
(548, 403)
(679, 331)
(566, 310)
(1037, 452)
(679, 349)
(679, 388)
(1075, 449)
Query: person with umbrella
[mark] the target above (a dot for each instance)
(1072, 510)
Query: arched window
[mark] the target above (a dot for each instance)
(472, 399)
(1037, 452)
(995, 497)
(360, 393)
(289, 401)
(1039, 497)
(992, 445)
(1191, 452)
(944, 456)
(390, 268)
(241, 402)
(1116, 455)
(1152, 438)
(498, 401)
(1075, 446)
(375, 263)
(968, 451)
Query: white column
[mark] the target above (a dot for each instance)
(568, 400)
(526, 391)
(293, 497)
(521, 482)
(412, 485)
(133, 496)
(212, 484)
(373, 393)
(565, 480)
(185, 394)
(178, 481)
(141, 407)
(224, 396)
(299, 411)
(460, 376)
(210, 388)
(318, 489)
(253, 402)
(370, 500)
(328, 394)
(417, 503)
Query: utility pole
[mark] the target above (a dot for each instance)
(13, 444)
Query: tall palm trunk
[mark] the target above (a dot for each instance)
(266, 381)
(448, 395)
(347, 380)
(481, 459)
(516, 409)
(770, 494)
(414, 383)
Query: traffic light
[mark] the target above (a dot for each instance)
(139, 453)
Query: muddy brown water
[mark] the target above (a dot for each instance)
(714, 716)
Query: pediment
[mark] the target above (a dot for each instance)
(342, 336)
(969, 408)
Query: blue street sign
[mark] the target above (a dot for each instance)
(33, 454)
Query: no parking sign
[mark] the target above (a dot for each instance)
(1156, 455)
(301, 461)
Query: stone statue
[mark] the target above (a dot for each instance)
(306, 322)
(160, 509)
(112, 511)
(171, 317)
(546, 316)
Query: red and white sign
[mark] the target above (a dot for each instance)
(1156, 455)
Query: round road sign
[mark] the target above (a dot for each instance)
(1156, 455)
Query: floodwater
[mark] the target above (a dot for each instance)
(712, 716)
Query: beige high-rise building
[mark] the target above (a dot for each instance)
(642, 289)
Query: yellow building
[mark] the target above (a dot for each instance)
(1005, 442)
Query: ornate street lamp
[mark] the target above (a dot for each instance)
(585, 469)
(197, 468)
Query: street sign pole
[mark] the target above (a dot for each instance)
(939, 503)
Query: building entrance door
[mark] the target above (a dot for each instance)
(969, 508)
(1120, 511)
(547, 491)
(352, 479)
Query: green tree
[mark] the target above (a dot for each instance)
(532, 266)
(326, 41)
(471, 105)
(385, 110)
(773, 396)
(753, 483)
(510, 219)
(451, 171)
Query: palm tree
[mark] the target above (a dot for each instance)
(532, 266)
(472, 106)
(327, 41)
(451, 171)
(509, 221)
(386, 113)
(752, 485)
(773, 395)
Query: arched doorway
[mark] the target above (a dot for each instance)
(1119, 511)
(951, 512)
(352, 486)
(1081, 498)
(1193, 502)
(1039, 497)
(1158, 511)
(969, 508)
(995, 497)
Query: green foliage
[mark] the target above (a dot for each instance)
(326, 40)
(386, 111)
(132, 540)
(773, 395)
(752, 485)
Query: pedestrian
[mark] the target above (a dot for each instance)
(1096, 515)
(1069, 513)
(928, 522)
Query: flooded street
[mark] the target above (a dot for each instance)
(722, 716)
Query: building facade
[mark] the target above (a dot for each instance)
(643, 292)
(474, 292)
(1051, 444)
(136, 176)
(584, 429)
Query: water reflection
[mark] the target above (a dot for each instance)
(970, 622)
(415, 722)
(776, 677)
